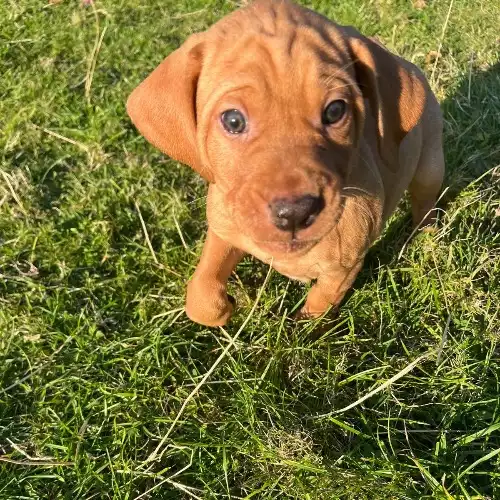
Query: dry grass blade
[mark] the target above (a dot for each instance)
(80, 145)
(32, 461)
(445, 25)
(381, 387)
(181, 236)
(146, 235)
(92, 62)
(35, 463)
(170, 480)
(12, 191)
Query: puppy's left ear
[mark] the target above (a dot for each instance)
(163, 106)
(396, 90)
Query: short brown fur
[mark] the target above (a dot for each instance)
(280, 64)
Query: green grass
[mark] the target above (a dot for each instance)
(96, 355)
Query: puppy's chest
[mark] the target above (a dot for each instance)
(305, 270)
(310, 266)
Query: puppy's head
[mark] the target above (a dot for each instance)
(269, 104)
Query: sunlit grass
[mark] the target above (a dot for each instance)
(101, 393)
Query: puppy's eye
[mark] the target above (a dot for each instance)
(334, 112)
(233, 121)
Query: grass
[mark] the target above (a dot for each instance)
(97, 356)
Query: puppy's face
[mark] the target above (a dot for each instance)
(278, 129)
(269, 104)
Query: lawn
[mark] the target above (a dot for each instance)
(107, 390)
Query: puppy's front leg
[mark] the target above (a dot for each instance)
(207, 301)
(328, 291)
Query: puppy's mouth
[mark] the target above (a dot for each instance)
(293, 246)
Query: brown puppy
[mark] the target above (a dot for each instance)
(308, 133)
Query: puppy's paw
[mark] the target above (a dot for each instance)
(306, 314)
(208, 305)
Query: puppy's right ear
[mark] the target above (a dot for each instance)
(163, 106)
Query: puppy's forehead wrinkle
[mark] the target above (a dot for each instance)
(327, 57)
(276, 75)
(264, 62)
(276, 57)
(271, 15)
(283, 26)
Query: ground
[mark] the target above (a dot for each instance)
(107, 390)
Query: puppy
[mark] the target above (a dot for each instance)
(308, 134)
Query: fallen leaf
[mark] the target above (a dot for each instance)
(419, 4)
(431, 56)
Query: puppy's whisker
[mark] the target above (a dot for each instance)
(337, 87)
(339, 70)
(367, 163)
(355, 188)
(365, 212)
(204, 198)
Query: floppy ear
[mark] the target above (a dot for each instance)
(163, 106)
(395, 89)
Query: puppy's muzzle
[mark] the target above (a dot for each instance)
(294, 214)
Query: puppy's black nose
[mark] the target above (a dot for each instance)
(295, 214)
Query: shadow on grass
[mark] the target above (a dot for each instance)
(471, 145)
